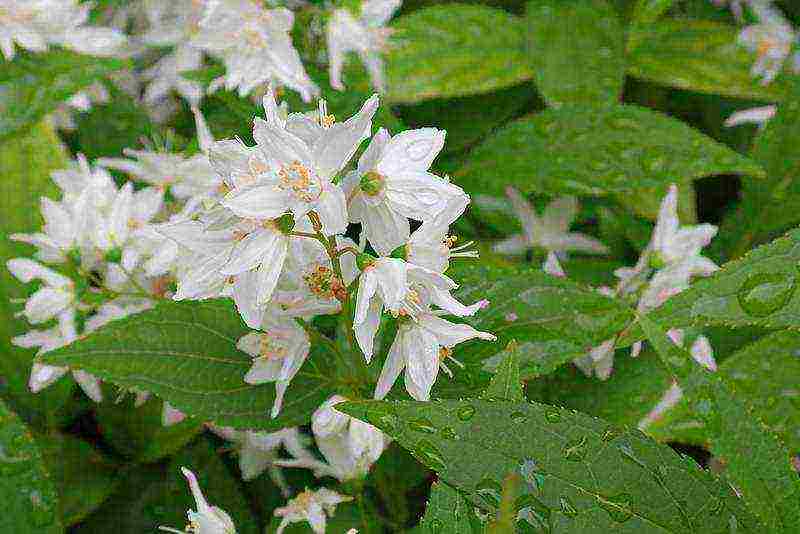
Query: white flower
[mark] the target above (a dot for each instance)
(552, 266)
(759, 115)
(61, 234)
(392, 184)
(56, 297)
(549, 231)
(421, 347)
(350, 446)
(36, 24)
(130, 211)
(599, 361)
(278, 354)
(365, 35)
(299, 173)
(258, 451)
(82, 101)
(170, 415)
(206, 519)
(255, 45)
(312, 506)
(772, 38)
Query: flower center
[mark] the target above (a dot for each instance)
(323, 283)
(372, 183)
(271, 348)
(300, 181)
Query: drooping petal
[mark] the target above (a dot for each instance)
(372, 155)
(366, 329)
(412, 150)
(336, 145)
(421, 352)
(450, 334)
(394, 365)
(332, 210)
(90, 384)
(260, 201)
(270, 269)
(419, 195)
(250, 251)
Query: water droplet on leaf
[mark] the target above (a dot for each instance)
(575, 450)
(489, 491)
(422, 425)
(430, 455)
(763, 294)
(465, 413)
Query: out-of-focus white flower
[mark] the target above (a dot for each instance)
(56, 297)
(350, 446)
(36, 24)
(300, 172)
(772, 39)
(392, 184)
(62, 118)
(206, 519)
(258, 451)
(185, 176)
(552, 266)
(255, 45)
(312, 506)
(758, 116)
(549, 231)
(365, 35)
(170, 415)
(599, 361)
(278, 354)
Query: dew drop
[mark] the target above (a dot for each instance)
(430, 455)
(518, 417)
(763, 294)
(609, 434)
(390, 423)
(465, 413)
(553, 417)
(575, 450)
(618, 507)
(489, 491)
(436, 526)
(567, 508)
(422, 425)
(448, 433)
(532, 474)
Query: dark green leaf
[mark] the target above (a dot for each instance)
(577, 51)
(25, 165)
(448, 512)
(596, 150)
(506, 382)
(698, 55)
(34, 84)
(755, 460)
(455, 50)
(582, 475)
(185, 352)
(30, 504)
(153, 496)
(83, 477)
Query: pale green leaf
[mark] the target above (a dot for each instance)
(596, 150)
(698, 55)
(506, 383)
(577, 51)
(454, 50)
(648, 11)
(26, 162)
(34, 84)
(767, 374)
(554, 320)
(84, 478)
(28, 493)
(582, 475)
(755, 460)
(185, 352)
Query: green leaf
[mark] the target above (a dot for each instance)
(158, 495)
(577, 51)
(138, 432)
(506, 383)
(755, 460)
(28, 494)
(581, 474)
(25, 165)
(395, 476)
(34, 84)
(84, 478)
(648, 11)
(596, 150)
(454, 50)
(767, 374)
(698, 55)
(554, 320)
(758, 289)
(185, 352)
(448, 512)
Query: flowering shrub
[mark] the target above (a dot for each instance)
(570, 225)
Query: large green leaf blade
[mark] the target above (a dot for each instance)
(577, 51)
(582, 475)
(758, 289)
(553, 320)
(26, 489)
(698, 55)
(185, 352)
(755, 460)
(454, 50)
(448, 512)
(34, 84)
(594, 151)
